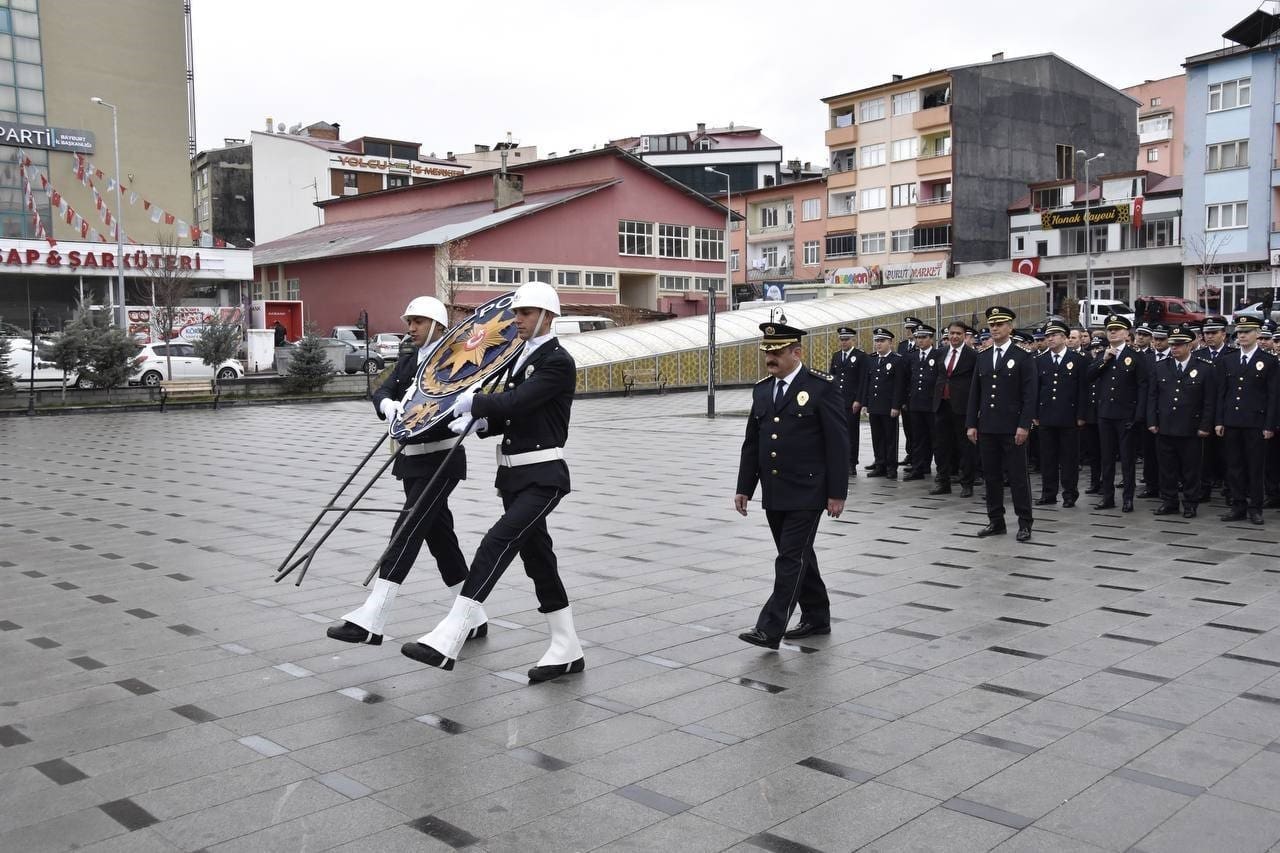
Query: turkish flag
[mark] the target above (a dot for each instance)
(1026, 266)
(1137, 212)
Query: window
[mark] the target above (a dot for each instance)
(872, 155)
(842, 245)
(1019, 243)
(1229, 94)
(1157, 232)
(1153, 155)
(598, 279)
(504, 275)
(255, 292)
(708, 244)
(1098, 238)
(671, 142)
(1046, 199)
(842, 118)
(567, 278)
(844, 160)
(873, 243)
(843, 204)
(907, 102)
(1071, 241)
(673, 241)
(789, 211)
(900, 241)
(936, 193)
(349, 180)
(673, 282)
(394, 181)
(1227, 155)
(871, 110)
(204, 209)
(635, 238)
(1156, 124)
(1065, 157)
(768, 217)
(704, 144)
(466, 275)
(1155, 102)
(292, 289)
(734, 261)
(273, 290)
(931, 237)
(811, 253)
(543, 276)
(716, 284)
(935, 146)
(1042, 248)
(903, 195)
(904, 149)
(873, 199)
(810, 209)
(1229, 215)
(769, 255)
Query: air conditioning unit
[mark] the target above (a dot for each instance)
(350, 191)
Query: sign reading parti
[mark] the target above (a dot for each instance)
(49, 138)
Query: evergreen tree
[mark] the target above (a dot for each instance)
(103, 353)
(309, 369)
(6, 367)
(219, 341)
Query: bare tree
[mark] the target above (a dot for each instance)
(1204, 248)
(171, 284)
(449, 255)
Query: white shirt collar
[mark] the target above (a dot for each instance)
(530, 347)
(424, 351)
(791, 377)
(1249, 355)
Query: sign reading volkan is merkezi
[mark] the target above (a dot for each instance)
(48, 138)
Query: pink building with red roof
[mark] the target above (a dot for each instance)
(602, 227)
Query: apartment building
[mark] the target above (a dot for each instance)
(745, 154)
(1161, 119)
(779, 241)
(923, 168)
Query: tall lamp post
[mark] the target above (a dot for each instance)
(115, 144)
(711, 296)
(1088, 242)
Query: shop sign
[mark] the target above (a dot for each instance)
(77, 259)
(48, 138)
(188, 321)
(1115, 214)
(375, 164)
(918, 271)
(855, 277)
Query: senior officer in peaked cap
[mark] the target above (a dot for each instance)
(883, 394)
(1181, 401)
(797, 448)
(1002, 404)
(848, 367)
(1121, 376)
(1248, 417)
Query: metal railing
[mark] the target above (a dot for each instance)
(940, 199)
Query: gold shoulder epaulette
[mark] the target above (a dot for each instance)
(766, 379)
(821, 375)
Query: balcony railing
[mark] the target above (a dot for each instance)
(941, 199)
(769, 272)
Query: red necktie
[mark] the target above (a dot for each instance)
(951, 365)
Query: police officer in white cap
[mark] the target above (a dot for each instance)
(422, 456)
(532, 416)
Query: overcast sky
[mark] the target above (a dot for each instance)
(574, 74)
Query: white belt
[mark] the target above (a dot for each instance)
(429, 447)
(515, 460)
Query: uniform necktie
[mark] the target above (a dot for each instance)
(1182, 368)
(1057, 359)
(922, 356)
(1244, 359)
(778, 391)
(999, 352)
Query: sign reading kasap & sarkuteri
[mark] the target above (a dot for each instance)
(48, 138)
(1115, 214)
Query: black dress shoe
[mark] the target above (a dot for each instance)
(349, 632)
(1271, 503)
(804, 629)
(1189, 512)
(1148, 493)
(756, 637)
(1105, 504)
(1166, 509)
(481, 630)
(993, 529)
(875, 472)
(1093, 490)
(966, 491)
(1234, 515)
(550, 671)
(891, 475)
(912, 475)
(1255, 516)
(427, 655)
(1068, 503)
(940, 490)
(1127, 505)
(1046, 501)
(870, 467)
(1024, 533)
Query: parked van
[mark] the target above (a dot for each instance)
(1169, 310)
(572, 325)
(1096, 311)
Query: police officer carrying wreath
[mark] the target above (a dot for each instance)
(797, 448)
(1180, 407)
(1002, 404)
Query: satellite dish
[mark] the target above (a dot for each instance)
(280, 127)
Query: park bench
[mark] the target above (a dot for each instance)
(179, 389)
(651, 378)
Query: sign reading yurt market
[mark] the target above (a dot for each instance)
(48, 138)
(1115, 214)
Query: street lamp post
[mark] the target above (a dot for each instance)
(1088, 242)
(115, 144)
(711, 295)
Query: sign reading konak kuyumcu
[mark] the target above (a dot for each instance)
(48, 138)
(1115, 214)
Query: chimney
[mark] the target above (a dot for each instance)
(269, 124)
(808, 167)
(448, 155)
(897, 77)
(702, 128)
(337, 130)
(997, 57)
(482, 149)
(508, 190)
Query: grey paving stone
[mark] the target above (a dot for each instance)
(1212, 823)
(646, 758)
(772, 799)
(941, 827)
(855, 818)
(235, 818)
(1256, 781)
(1036, 840)
(1114, 813)
(951, 768)
(684, 832)
(1199, 758)
(1035, 785)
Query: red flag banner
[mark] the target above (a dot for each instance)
(1026, 266)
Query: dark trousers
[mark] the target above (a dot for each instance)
(954, 450)
(1150, 459)
(1272, 485)
(1059, 461)
(795, 573)
(433, 524)
(884, 441)
(1179, 469)
(1213, 467)
(855, 429)
(522, 530)
(1113, 439)
(1003, 457)
(908, 433)
(921, 441)
(1090, 453)
(1246, 466)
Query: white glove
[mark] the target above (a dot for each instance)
(462, 405)
(391, 409)
(458, 426)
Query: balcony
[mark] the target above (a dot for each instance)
(842, 136)
(933, 164)
(773, 232)
(934, 209)
(770, 273)
(837, 180)
(931, 117)
(1155, 135)
(841, 222)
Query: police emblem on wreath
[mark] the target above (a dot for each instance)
(475, 350)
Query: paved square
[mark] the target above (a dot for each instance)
(1112, 685)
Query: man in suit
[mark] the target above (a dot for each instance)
(848, 367)
(428, 520)
(951, 402)
(906, 348)
(884, 393)
(796, 448)
(924, 369)
(1063, 394)
(1002, 404)
(532, 416)
(1248, 417)
(1181, 402)
(1120, 377)
(1213, 467)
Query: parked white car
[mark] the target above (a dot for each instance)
(1098, 310)
(572, 325)
(387, 345)
(46, 373)
(1255, 310)
(151, 365)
